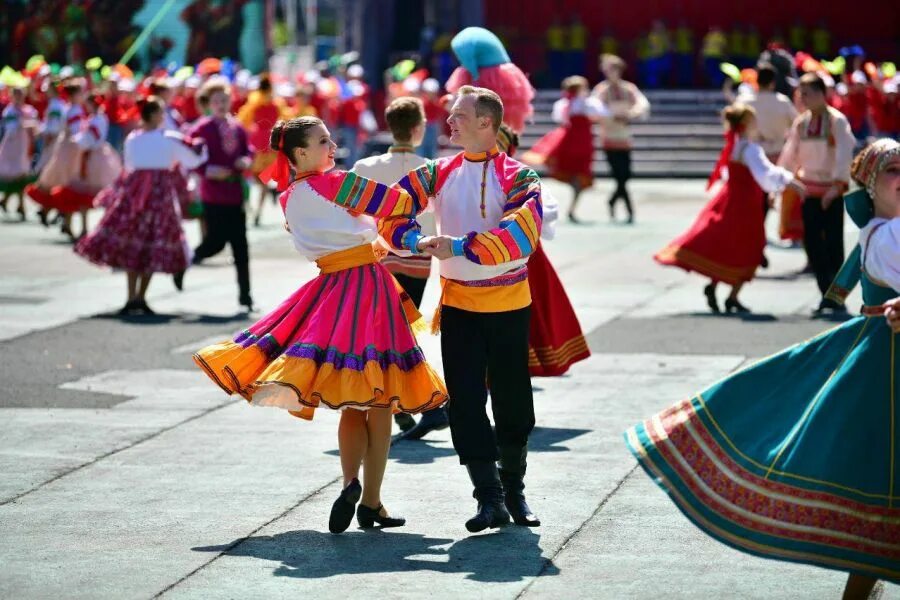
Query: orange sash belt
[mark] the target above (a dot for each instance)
(367, 254)
(347, 259)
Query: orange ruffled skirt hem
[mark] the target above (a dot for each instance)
(343, 340)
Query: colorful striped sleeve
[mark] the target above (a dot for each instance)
(362, 195)
(519, 231)
(401, 230)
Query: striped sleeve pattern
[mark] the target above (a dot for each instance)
(402, 231)
(520, 228)
(362, 195)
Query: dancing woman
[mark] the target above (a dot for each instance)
(343, 339)
(140, 232)
(794, 457)
(728, 236)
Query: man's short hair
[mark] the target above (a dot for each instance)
(487, 104)
(403, 115)
(814, 82)
(765, 74)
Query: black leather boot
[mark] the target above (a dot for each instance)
(489, 493)
(512, 476)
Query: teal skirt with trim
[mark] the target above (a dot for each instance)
(796, 457)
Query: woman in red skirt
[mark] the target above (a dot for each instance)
(555, 339)
(141, 232)
(568, 150)
(727, 239)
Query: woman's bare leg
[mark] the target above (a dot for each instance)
(378, 424)
(132, 286)
(353, 441)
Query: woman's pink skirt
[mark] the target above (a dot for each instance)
(141, 228)
(342, 340)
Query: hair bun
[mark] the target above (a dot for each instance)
(276, 135)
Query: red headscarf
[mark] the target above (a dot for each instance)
(280, 170)
(730, 140)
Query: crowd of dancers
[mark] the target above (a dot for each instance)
(791, 458)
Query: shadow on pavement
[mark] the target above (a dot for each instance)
(751, 317)
(420, 452)
(167, 318)
(507, 555)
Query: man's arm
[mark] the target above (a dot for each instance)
(401, 230)
(519, 231)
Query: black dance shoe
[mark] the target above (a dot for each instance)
(513, 464)
(404, 421)
(733, 306)
(432, 420)
(129, 308)
(367, 517)
(141, 307)
(489, 493)
(710, 293)
(246, 302)
(342, 509)
(827, 306)
(491, 514)
(178, 280)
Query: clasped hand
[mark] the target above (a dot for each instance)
(438, 246)
(892, 313)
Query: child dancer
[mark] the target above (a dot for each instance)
(98, 167)
(19, 122)
(728, 237)
(53, 124)
(793, 458)
(221, 186)
(343, 339)
(141, 229)
(62, 162)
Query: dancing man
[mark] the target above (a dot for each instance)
(488, 212)
(818, 151)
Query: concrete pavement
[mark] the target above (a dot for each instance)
(127, 474)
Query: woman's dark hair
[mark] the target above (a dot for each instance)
(150, 107)
(287, 135)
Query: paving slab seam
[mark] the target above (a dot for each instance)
(94, 461)
(243, 539)
(549, 560)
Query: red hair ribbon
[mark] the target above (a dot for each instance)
(280, 170)
(730, 139)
